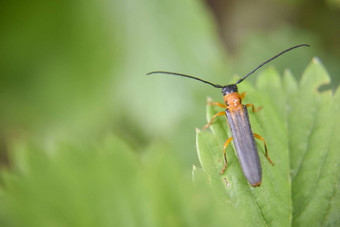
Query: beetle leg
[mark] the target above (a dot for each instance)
(218, 104)
(248, 105)
(253, 107)
(212, 119)
(243, 95)
(224, 154)
(265, 147)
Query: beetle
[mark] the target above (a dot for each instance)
(239, 124)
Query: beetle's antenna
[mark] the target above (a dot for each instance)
(184, 75)
(289, 49)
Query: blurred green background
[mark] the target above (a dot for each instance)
(74, 71)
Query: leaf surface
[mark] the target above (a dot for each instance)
(301, 128)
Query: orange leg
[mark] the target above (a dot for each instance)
(218, 104)
(224, 153)
(243, 95)
(253, 107)
(265, 147)
(248, 105)
(212, 119)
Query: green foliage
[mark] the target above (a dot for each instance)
(301, 127)
(104, 185)
(74, 71)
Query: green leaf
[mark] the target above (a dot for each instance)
(104, 185)
(302, 130)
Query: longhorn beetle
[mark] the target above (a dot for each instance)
(238, 120)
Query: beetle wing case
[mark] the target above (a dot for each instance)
(244, 143)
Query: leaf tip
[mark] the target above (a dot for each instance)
(316, 60)
(287, 72)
